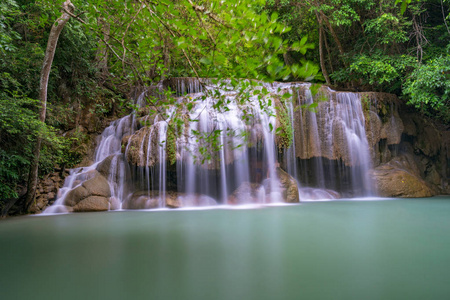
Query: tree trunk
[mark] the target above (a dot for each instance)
(335, 37)
(102, 51)
(45, 73)
(322, 60)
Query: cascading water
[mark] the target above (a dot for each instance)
(331, 144)
(109, 148)
(145, 169)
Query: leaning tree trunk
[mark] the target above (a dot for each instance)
(57, 27)
(322, 59)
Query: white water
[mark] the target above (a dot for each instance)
(248, 152)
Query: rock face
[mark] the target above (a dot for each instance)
(47, 190)
(92, 195)
(400, 178)
(407, 150)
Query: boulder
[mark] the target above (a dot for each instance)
(93, 189)
(289, 186)
(173, 200)
(400, 177)
(392, 182)
(105, 165)
(75, 196)
(97, 186)
(92, 203)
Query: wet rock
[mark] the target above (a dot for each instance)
(428, 140)
(114, 203)
(409, 122)
(247, 193)
(92, 203)
(373, 128)
(93, 188)
(97, 186)
(76, 195)
(105, 165)
(400, 178)
(393, 182)
(392, 130)
(289, 186)
(142, 142)
(83, 176)
(332, 131)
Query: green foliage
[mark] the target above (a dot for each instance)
(428, 87)
(382, 72)
(18, 127)
(8, 9)
(387, 28)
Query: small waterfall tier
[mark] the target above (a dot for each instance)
(284, 143)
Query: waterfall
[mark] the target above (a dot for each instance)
(227, 152)
(331, 143)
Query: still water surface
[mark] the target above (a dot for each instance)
(397, 249)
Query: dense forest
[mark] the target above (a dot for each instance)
(109, 49)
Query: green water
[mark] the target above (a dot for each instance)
(330, 250)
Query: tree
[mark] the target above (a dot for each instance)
(57, 27)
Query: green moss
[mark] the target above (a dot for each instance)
(365, 105)
(285, 133)
(171, 145)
